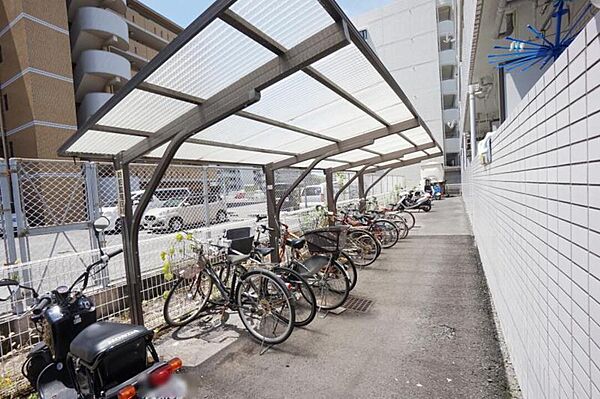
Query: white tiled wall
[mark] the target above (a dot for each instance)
(535, 212)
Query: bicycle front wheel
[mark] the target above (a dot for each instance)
(362, 247)
(187, 299)
(265, 306)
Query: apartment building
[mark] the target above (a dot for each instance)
(60, 60)
(416, 41)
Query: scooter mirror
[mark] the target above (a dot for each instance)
(7, 287)
(101, 224)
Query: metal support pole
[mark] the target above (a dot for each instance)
(271, 212)
(296, 182)
(7, 220)
(473, 120)
(345, 186)
(330, 190)
(362, 202)
(384, 174)
(133, 273)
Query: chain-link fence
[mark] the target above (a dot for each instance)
(47, 212)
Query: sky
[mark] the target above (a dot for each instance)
(183, 12)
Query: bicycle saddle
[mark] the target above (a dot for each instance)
(296, 243)
(264, 251)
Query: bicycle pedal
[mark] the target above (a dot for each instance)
(224, 317)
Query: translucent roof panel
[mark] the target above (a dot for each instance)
(273, 18)
(418, 136)
(354, 155)
(140, 110)
(247, 132)
(353, 72)
(95, 142)
(325, 164)
(302, 101)
(211, 61)
(413, 155)
(388, 144)
(199, 152)
(311, 97)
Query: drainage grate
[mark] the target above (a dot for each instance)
(358, 304)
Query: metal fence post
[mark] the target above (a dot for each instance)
(7, 220)
(19, 211)
(206, 200)
(93, 210)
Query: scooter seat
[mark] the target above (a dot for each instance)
(297, 243)
(264, 251)
(103, 337)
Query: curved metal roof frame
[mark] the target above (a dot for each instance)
(345, 123)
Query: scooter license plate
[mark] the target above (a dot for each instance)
(175, 388)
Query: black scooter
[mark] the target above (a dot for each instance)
(82, 358)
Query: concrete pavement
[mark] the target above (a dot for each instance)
(429, 334)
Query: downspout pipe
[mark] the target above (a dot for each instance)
(473, 120)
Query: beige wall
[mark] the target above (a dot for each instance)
(33, 96)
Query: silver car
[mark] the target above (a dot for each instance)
(180, 212)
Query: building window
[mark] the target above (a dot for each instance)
(135, 49)
(452, 159)
(1, 56)
(451, 130)
(132, 18)
(449, 101)
(447, 72)
(5, 101)
(161, 33)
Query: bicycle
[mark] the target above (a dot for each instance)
(302, 252)
(242, 243)
(385, 231)
(262, 300)
(327, 277)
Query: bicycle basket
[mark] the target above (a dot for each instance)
(326, 240)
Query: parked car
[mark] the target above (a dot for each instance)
(112, 212)
(311, 196)
(177, 213)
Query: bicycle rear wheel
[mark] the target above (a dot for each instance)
(331, 286)
(386, 232)
(305, 301)
(408, 218)
(265, 306)
(187, 299)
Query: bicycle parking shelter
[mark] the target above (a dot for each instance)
(261, 83)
